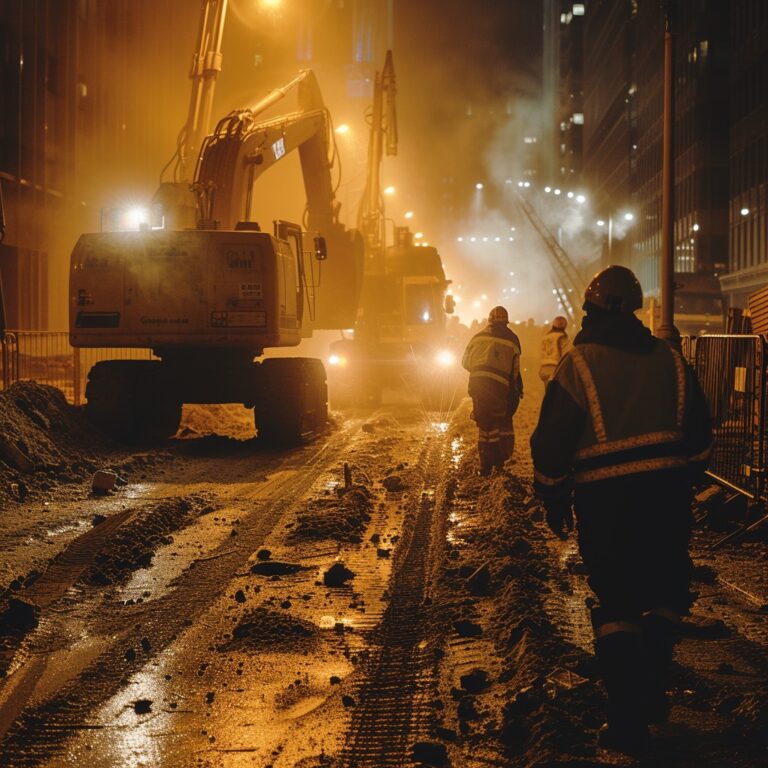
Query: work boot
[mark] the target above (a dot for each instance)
(659, 637)
(620, 657)
(489, 457)
(506, 446)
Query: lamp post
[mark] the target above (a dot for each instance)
(667, 330)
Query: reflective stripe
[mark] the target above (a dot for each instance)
(614, 627)
(505, 342)
(544, 480)
(680, 372)
(506, 432)
(489, 375)
(630, 468)
(591, 392)
(628, 442)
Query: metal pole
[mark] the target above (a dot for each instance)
(667, 330)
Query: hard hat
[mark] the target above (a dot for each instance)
(498, 315)
(615, 289)
(560, 323)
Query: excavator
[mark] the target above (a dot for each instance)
(400, 339)
(210, 291)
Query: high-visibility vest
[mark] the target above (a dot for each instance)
(635, 406)
(554, 344)
(493, 357)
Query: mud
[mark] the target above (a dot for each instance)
(234, 605)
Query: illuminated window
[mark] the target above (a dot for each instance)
(578, 9)
(578, 118)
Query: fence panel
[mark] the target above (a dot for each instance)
(732, 370)
(48, 358)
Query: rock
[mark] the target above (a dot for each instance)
(467, 710)
(19, 617)
(382, 552)
(130, 655)
(335, 680)
(142, 706)
(240, 596)
(337, 575)
(97, 520)
(704, 574)
(263, 554)
(13, 455)
(103, 482)
(474, 681)
(347, 701)
(368, 427)
(393, 483)
(430, 753)
(209, 697)
(145, 645)
(275, 568)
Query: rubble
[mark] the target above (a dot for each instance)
(337, 575)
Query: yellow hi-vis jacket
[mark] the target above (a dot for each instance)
(554, 344)
(493, 355)
(610, 413)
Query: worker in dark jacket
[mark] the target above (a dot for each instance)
(623, 434)
(492, 358)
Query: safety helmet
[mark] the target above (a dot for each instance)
(559, 323)
(498, 315)
(615, 289)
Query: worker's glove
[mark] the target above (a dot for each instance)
(559, 516)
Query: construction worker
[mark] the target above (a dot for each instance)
(554, 345)
(492, 358)
(623, 433)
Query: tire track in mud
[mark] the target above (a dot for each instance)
(36, 726)
(394, 698)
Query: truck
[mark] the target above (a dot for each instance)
(400, 337)
(207, 290)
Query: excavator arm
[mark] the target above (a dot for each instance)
(242, 148)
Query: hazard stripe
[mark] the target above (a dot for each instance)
(614, 627)
(545, 480)
(497, 340)
(680, 372)
(489, 375)
(630, 468)
(638, 441)
(593, 401)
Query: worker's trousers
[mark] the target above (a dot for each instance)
(496, 433)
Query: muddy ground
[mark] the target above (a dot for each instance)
(235, 605)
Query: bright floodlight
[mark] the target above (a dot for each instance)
(547, 189)
(600, 223)
(390, 190)
(479, 185)
(445, 358)
(744, 211)
(557, 191)
(418, 235)
(460, 239)
(695, 227)
(135, 217)
(409, 214)
(343, 128)
(570, 195)
(581, 199)
(629, 217)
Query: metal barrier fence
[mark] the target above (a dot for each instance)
(732, 371)
(48, 358)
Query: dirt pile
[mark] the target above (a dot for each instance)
(134, 545)
(264, 630)
(43, 441)
(342, 516)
